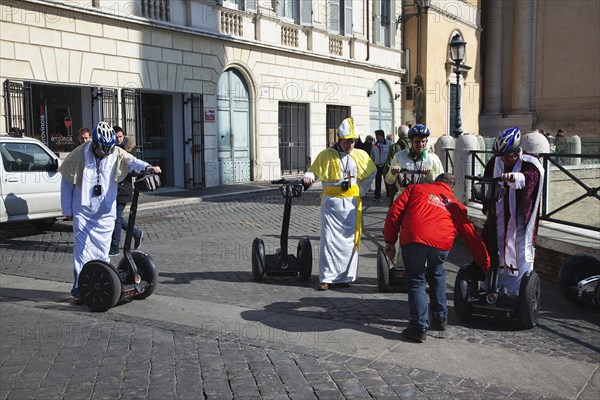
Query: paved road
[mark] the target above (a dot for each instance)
(210, 332)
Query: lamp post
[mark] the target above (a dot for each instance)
(457, 54)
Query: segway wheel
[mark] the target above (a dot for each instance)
(528, 310)
(99, 285)
(259, 259)
(462, 307)
(576, 269)
(304, 256)
(383, 271)
(147, 270)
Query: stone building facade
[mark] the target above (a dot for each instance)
(431, 76)
(541, 67)
(215, 92)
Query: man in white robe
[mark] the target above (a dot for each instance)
(347, 174)
(90, 176)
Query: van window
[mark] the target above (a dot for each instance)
(19, 157)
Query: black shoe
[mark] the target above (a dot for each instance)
(437, 325)
(113, 253)
(138, 241)
(414, 333)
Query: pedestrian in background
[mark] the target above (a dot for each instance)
(124, 196)
(428, 216)
(402, 143)
(347, 174)
(379, 154)
(561, 142)
(83, 135)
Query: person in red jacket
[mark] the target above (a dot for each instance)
(428, 217)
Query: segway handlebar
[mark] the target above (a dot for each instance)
(484, 179)
(147, 182)
(408, 177)
(290, 188)
(291, 182)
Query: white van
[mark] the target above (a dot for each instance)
(29, 182)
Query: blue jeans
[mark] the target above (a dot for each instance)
(121, 224)
(425, 263)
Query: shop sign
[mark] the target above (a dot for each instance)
(210, 114)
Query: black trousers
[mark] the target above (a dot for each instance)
(378, 177)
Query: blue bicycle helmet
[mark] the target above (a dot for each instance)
(418, 130)
(508, 141)
(104, 137)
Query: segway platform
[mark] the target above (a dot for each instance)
(281, 263)
(470, 300)
(579, 280)
(103, 285)
(390, 277)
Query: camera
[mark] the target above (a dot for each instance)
(97, 190)
(405, 181)
(346, 185)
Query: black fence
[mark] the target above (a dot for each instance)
(571, 187)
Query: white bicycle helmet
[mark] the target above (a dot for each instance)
(104, 137)
(508, 141)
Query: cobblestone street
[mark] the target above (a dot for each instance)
(290, 341)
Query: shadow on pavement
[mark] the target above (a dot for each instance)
(326, 308)
(12, 295)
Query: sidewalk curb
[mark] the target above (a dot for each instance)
(195, 200)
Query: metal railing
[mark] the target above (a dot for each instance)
(565, 186)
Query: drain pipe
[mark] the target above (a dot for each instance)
(368, 30)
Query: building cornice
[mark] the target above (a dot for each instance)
(144, 22)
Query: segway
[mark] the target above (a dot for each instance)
(392, 277)
(579, 280)
(495, 301)
(281, 263)
(103, 285)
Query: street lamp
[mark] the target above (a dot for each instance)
(457, 54)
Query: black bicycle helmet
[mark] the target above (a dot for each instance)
(418, 130)
(104, 137)
(508, 141)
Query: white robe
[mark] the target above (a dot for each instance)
(515, 243)
(93, 216)
(338, 256)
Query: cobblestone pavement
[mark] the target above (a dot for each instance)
(203, 252)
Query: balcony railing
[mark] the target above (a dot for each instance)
(289, 36)
(157, 9)
(232, 23)
(335, 46)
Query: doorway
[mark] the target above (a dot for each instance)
(380, 109)
(233, 128)
(293, 137)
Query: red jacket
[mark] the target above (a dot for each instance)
(430, 214)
